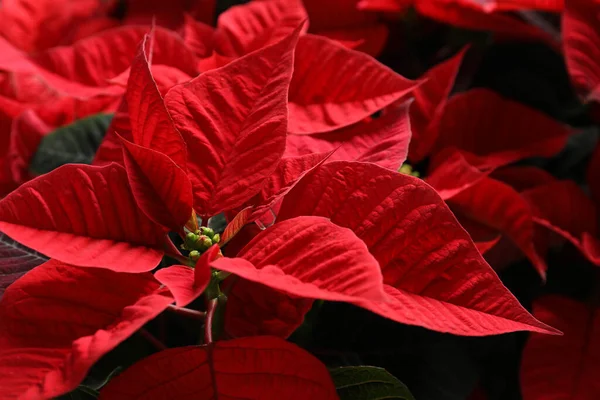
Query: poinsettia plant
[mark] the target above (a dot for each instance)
(259, 201)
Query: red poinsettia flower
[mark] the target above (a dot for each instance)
(466, 138)
(346, 231)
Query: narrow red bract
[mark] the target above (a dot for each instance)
(161, 188)
(151, 124)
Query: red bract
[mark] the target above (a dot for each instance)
(333, 87)
(430, 102)
(411, 233)
(500, 130)
(483, 5)
(354, 28)
(245, 28)
(234, 122)
(563, 367)
(186, 283)
(563, 208)
(58, 320)
(92, 61)
(258, 367)
(35, 25)
(497, 205)
(479, 132)
(476, 15)
(383, 141)
(85, 216)
(582, 46)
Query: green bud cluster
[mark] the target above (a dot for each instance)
(200, 241)
(406, 169)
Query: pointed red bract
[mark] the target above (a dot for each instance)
(334, 87)
(34, 25)
(251, 368)
(488, 125)
(428, 108)
(287, 173)
(248, 27)
(198, 36)
(85, 216)
(523, 177)
(563, 367)
(96, 59)
(309, 257)
(435, 275)
(393, 6)
(236, 225)
(58, 320)
(565, 209)
(234, 121)
(160, 188)
(16, 61)
(468, 15)
(187, 284)
(451, 172)
(581, 42)
(27, 132)
(151, 124)
(111, 149)
(499, 206)
(370, 39)
(383, 141)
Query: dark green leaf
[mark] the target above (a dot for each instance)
(218, 223)
(15, 260)
(368, 383)
(74, 143)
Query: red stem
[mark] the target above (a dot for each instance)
(188, 312)
(152, 339)
(212, 306)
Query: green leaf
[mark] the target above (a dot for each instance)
(74, 143)
(368, 383)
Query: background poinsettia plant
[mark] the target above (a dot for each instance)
(287, 199)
